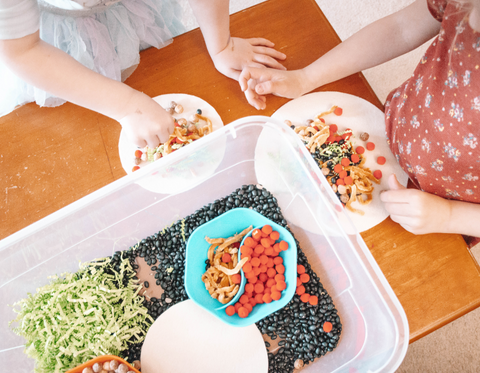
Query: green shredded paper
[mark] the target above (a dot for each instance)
(81, 315)
(336, 152)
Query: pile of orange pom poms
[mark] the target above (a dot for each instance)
(264, 270)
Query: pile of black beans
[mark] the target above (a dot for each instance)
(298, 325)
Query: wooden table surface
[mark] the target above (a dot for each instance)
(51, 157)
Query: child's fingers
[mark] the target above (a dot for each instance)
(396, 196)
(259, 75)
(258, 102)
(261, 41)
(138, 142)
(408, 223)
(268, 87)
(245, 76)
(394, 184)
(268, 61)
(399, 209)
(270, 52)
(243, 82)
(163, 134)
(400, 219)
(256, 65)
(153, 140)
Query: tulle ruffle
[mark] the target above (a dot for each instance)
(107, 42)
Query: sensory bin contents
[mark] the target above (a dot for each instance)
(300, 326)
(185, 133)
(109, 364)
(264, 269)
(305, 329)
(341, 162)
(79, 316)
(222, 276)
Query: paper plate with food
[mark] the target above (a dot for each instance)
(194, 119)
(345, 135)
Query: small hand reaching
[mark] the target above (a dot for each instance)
(256, 83)
(416, 211)
(147, 123)
(241, 53)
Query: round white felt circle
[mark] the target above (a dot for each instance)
(186, 338)
(172, 182)
(360, 116)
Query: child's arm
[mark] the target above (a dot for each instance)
(54, 71)
(421, 212)
(377, 43)
(229, 54)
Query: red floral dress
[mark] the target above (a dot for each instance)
(433, 119)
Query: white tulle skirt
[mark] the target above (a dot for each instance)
(106, 40)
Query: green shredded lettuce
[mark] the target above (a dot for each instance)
(183, 230)
(336, 152)
(165, 228)
(81, 315)
(150, 154)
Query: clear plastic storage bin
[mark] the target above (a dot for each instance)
(253, 150)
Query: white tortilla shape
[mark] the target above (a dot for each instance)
(186, 338)
(360, 116)
(200, 167)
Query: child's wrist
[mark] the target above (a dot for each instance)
(314, 77)
(127, 105)
(218, 46)
(461, 217)
(449, 219)
(306, 84)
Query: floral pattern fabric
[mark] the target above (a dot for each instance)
(433, 119)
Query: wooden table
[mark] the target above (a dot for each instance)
(51, 157)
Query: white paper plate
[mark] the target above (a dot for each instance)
(360, 116)
(174, 182)
(188, 339)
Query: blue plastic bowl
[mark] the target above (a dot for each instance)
(226, 225)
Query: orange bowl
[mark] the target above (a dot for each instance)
(101, 359)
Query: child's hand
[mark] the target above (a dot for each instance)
(146, 123)
(416, 211)
(240, 53)
(256, 83)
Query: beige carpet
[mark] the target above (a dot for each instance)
(455, 347)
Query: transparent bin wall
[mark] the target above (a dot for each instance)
(253, 150)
